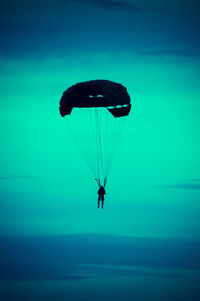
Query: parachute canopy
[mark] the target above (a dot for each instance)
(94, 129)
(96, 93)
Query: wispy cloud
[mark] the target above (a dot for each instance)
(190, 184)
(16, 177)
(171, 52)
(77, 257)
(183, 186)
(114, 4)
(194, 180)
(105, 4)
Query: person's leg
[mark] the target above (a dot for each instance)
(98, 201)
(102, 201)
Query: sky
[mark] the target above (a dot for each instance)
(46, 188)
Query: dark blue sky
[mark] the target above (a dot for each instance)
(41, 28)
(98, 266)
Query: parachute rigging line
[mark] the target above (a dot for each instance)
(99, 145)
(76, 138)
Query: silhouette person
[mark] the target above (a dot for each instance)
(101, 193)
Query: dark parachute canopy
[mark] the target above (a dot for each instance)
(96, 93)
(94, 129)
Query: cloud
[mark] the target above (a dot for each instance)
(114, 270)
(16, 177)
(188, 184)
(11, 5)
(182, 186)
(113, 4)
(171, 52)
(36, 270)
(77, 257)
(105, 4)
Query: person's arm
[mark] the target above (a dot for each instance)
(98, 182)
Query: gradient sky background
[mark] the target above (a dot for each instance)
(151, 47)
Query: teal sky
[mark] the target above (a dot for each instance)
(150, 47)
